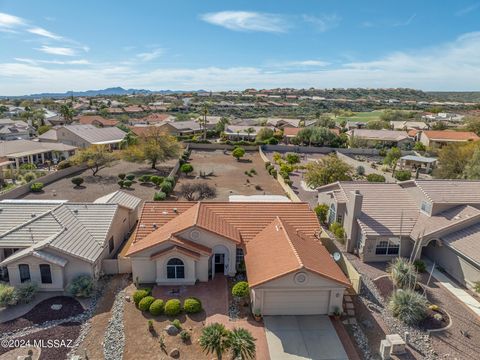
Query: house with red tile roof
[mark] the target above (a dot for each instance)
(439, 138)
(180, 243)
(96, 120)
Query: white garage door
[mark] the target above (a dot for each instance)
(295, 302)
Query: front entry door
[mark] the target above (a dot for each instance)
(219, 263)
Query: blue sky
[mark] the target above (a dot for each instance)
(57, 45)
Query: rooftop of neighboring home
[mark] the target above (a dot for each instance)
(89, 133)
(450, 135)
(278, 122)
(291, 131)
(408, 125)
(380, 135)
(188, 125)
(96, 120)
(288, 230)
(20, 148)
(243, 130)
(153, 118)
(76, 229)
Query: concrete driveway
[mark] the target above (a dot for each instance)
(303, 337)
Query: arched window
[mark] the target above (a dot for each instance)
(175, 269)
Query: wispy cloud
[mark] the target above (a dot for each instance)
(63, 51)
(323, 23)
(468, 9)
(406, 22)
(151, 55)
(300, 64)
(43, 32)
(247, 21)
(55, 62)
(10, 21)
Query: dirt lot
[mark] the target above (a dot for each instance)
(229, 175)
(102, 184)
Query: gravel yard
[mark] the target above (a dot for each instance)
(103, 183)
(229, 176)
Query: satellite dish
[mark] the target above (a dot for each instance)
(337, 256)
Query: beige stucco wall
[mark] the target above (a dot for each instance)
(287, 284)
(67, 137)
(367, 252)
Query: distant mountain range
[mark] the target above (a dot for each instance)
(109, 91)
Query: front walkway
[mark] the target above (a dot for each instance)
(454, 289)
(13, 312)
(303, 337)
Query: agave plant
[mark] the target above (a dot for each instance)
(403, 273)
(215, 339)
(242, 344)
(409, 306)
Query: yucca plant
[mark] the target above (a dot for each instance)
(409, 306)
(403, 273)
(242, 344)
(215, 339)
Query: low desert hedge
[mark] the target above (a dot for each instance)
(139, 295)
(192, 305)
(157, 307)
(173, 307)
(145, 303)
(240, 289)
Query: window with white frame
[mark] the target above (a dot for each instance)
(386, 247)
(175, 269)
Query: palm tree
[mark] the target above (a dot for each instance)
(242, 344)
(215, 339)
(203, 122)
(67, 113)
(249, 131)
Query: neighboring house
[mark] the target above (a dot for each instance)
(152, 119)
(281, 123)
(180, 243)
(96, 120)
(52, 242)
(83, 136)
(409, 125)
(371, 138)
(34, 152)
(212, 121)
(243, 132)
(438, 219)
(439, 138)
(15, 130)
(183, 127)
(443, 117)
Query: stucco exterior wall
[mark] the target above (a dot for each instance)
(67, 137)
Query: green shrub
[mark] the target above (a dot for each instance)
(270, 167)
(159, 196)
(240, 289)
(360, 170)
(267, 165)
(286, 168)
(476, 286)
(157, 307)
(185, 336)
(409, 306)
(81, 286)
(170, 179)
(26, 292)
(173, 307)
(166, 187)
(337, 229)
(145, 303)
(121, 176)
(127, 183)
(120, 183)
(375, 178)
(36, 187)
(77, 181)
(177, 324)
(238, 152)
(403, 175)
(192, 305)
(403, 273)
(292, 158)
(420, 266)
(130, 177)
(28, 166)
(29, 177)
(186, 169)
(144, 178)
(139, 295)
(284, 175)
(289, 182)
(63, 164)
(8, 296)
(156, 180)
(274, 173)
(322, 211)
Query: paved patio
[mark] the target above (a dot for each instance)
(303, 337)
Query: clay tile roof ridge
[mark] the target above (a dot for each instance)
(294, 249)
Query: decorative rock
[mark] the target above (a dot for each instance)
(171, 330)
(174, 353)
(56, 307)
(127, 298)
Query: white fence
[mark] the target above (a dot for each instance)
(120, 265)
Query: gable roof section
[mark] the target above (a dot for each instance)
(121, 198)
(292, 251)
(450, 191)
(450, 135)
(95, 135)
(465, 241)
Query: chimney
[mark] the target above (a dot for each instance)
(354, 209)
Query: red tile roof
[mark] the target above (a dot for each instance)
(451, 135)
(96, 120)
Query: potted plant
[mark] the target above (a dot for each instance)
(337, 313)
(257, 315)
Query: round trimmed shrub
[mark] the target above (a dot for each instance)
(192, 305)
(375, 178)
(7, 295)
(145, 303)
(130, 177)
(166, 187)
(403, 175)
(77, 181)
(127, 183)
(29, 177)
(240, 289)
(144, 178)
(159, 196)
(63, 164)
(173, 307)
(157, 307)
(36, 187)
(139, 295)
(170, 179)
(156, 180)
(121, 176)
